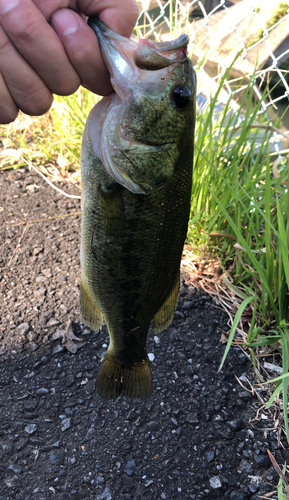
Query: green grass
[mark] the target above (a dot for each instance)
(239, 213)
(51, 140)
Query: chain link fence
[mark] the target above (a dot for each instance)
(248, 37)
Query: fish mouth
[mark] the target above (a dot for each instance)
(123, 55)
(132, 64)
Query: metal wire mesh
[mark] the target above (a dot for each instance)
(251, 37)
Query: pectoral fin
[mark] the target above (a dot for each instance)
(112, 211)
(90, 315)
(165, 314)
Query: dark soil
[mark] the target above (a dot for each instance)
(192, 439)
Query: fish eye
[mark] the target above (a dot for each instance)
(181, 96)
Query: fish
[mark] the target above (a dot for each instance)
(136, 174)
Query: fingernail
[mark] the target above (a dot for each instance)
(64, 22)
(6, 5)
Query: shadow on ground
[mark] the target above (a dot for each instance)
(192, 439)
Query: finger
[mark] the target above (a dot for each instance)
(24, 86)
(81, 44)
(120, 16)
(82, 49)
(8, 108)
(38, 44)
(48, 7)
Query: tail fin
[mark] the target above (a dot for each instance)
(114, 379)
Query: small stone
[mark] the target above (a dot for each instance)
(225, 433)
(56, 349)
(91, 434)
(58, 335)
(245, 466)
(99, 480)
(189, 370)
(21, 444)
(47, 273)
(22, 329)
(262, 460)
(105, 495)
(151, 356)
(31, 336)
(31, 428)
(40, 292)
(245, 395)
(187, 305)
(56, 444)
(37, 250)
(148, 483)
(209, 456)
(6, 446)
(153, 425)
(40, 279)
(130, 467)
(36, 440)
(236, 425)
(42, 391)
(69, 380)
(32, 346)
(253, 487)
(57, 457)
(15, 468)
(53, 322)
(63, 278)
(30, 405)
(65, 424)
(90, 387)
(30, 415)
(192, 418)
(215, 482)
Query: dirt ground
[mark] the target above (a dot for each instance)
(58, 440)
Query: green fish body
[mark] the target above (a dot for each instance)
(136, 164)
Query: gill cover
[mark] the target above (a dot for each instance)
(131, 124)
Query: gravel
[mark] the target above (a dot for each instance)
(191, 440)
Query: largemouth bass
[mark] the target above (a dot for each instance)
(136, 167)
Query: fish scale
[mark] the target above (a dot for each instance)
(132, 241)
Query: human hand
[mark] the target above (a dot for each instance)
(46, 47)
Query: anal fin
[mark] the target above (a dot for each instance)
(114, 379)
(165, 314)
(90, 315)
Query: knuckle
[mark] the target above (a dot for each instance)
(37, 104)
(66, 85)
(26, 30)
(5, 44)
